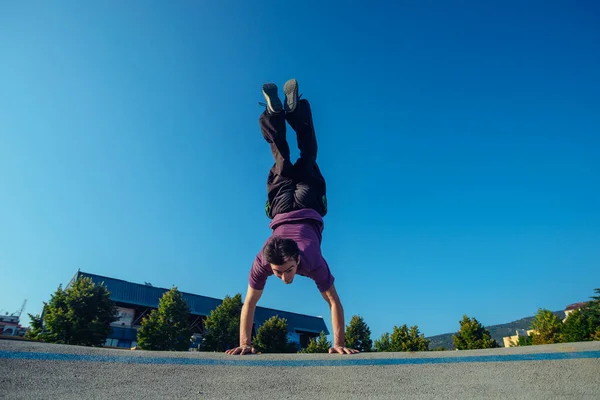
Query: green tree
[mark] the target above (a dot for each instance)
(582, 324)
(321, 345)
(525, 340)
(358, 335)
(222, 326)
(547, 327)
(272, 337)
(383, 343)
(36, 327)
(403, 339)
(79, 315)
(592, 315)
(58, 327)
(576, 328)
(472, 335)
(167, 328)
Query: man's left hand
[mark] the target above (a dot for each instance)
(342, 350)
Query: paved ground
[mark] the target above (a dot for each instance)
(41, 371)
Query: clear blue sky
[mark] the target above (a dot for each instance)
(460, 145)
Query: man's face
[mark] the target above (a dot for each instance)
(286, 272)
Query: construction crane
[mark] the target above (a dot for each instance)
(20, 311)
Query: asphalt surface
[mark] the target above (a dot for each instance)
(31, 370)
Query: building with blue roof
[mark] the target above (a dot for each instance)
(134, 301)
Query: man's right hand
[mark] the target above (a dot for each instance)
(246, 318)
(241, 350)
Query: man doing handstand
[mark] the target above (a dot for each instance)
(296, 204)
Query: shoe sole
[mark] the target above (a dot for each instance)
(270, 93)
(291, 95)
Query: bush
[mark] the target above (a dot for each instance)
(321, 345)
(272, 337)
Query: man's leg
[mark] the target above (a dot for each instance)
(280, 184)
(311, 187)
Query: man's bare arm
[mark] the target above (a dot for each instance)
(246, 321)
(337, 322)
(247, 317)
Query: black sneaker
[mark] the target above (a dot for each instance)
(291, 95)
(273, 102)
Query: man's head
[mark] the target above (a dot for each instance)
(283, 255)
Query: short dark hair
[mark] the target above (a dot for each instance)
(278, 250)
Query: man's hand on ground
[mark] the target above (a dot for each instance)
(241, 350)
(342, 350)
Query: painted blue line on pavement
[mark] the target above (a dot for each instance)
(347, 361)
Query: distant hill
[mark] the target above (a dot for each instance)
(497, 332)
